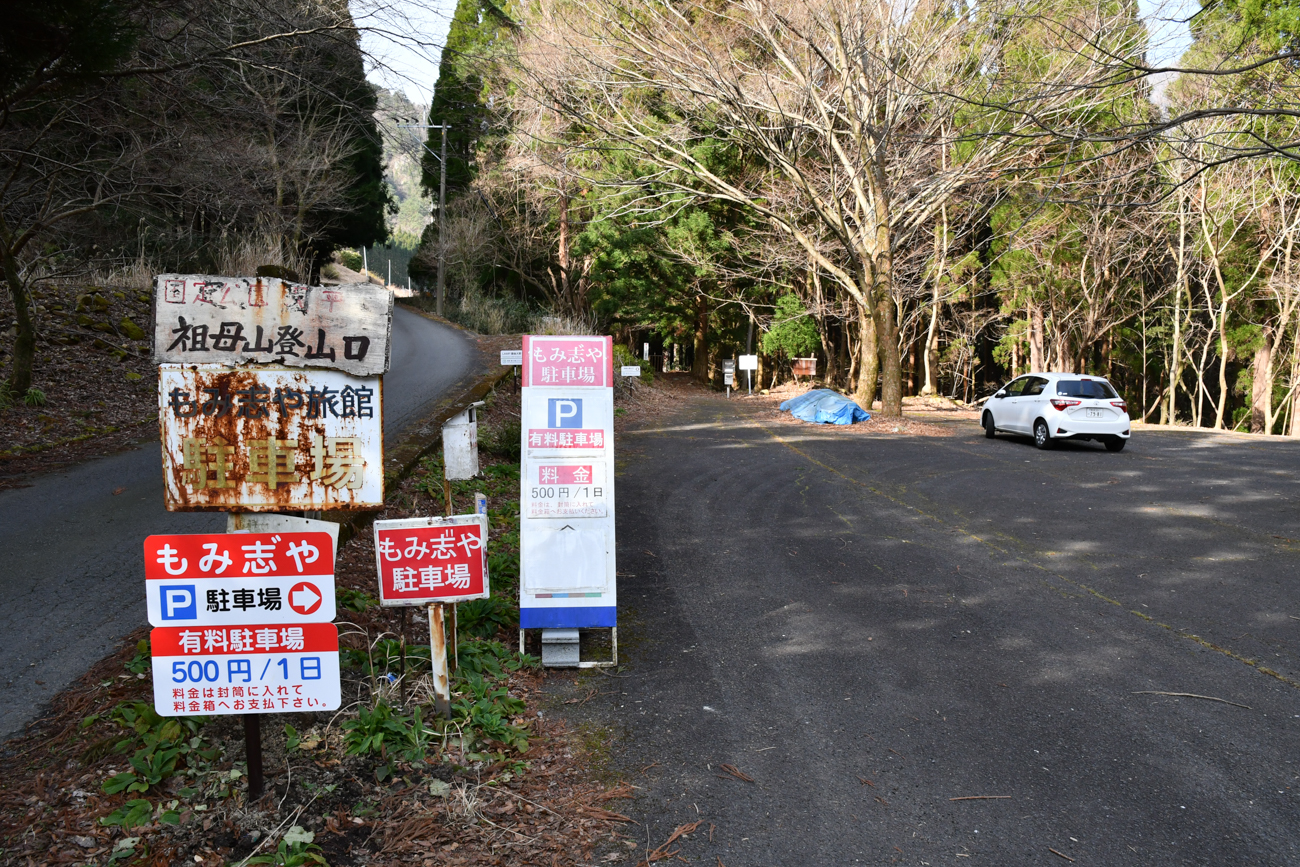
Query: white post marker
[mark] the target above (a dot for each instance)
(566, 535)
(460, 444)
(242, 623)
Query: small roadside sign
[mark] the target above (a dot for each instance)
(268, 668)
(749, 362)
(728, 373)
(630, 370)
(263, 320)
(431, 560)
(239, 578)
(512, 357)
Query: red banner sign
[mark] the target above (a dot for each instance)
(568, 361)
(423, 560)
(237, 555)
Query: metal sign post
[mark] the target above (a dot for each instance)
(433, 562)
(749, 363)
(270, 398)
(242, 626)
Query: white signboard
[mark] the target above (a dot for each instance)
(567, 421)
(268, 439)
(266, 668)
(566, 535)
(630, 370)
(512, 357)
(749, 362)
(202, 319)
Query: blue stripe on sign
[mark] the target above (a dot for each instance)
(567, 618)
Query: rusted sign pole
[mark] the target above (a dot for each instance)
(438, 660)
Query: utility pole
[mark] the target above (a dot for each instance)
(442, 202)
(442, 219)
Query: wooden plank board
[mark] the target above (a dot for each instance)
(203, 319)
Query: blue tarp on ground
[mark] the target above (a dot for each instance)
(823, 406)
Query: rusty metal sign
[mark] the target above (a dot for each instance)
(269, 439)
(262, 320)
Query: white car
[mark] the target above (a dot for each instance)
(1055, 406)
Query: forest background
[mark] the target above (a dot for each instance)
(929, 196)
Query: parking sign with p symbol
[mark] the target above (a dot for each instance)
(564, 412)
(179, 602)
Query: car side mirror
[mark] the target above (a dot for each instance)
(1000, 394)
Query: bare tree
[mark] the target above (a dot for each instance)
(826, 118)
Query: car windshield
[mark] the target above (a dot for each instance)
(1093, 388)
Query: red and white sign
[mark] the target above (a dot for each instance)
(568, 361)
(423, 560)
(232, 555)
(279, 668)
(239, 579)
(564, 474)
(544, 438)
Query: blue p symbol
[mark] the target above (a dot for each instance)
(564, 412)
(178, 602)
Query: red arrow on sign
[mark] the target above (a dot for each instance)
(305, 597)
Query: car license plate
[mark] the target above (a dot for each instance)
(1095, 413)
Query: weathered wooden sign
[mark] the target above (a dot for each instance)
(267, 439)
(264, 320)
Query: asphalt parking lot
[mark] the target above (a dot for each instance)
(931, 650)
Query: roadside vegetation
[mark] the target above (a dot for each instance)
(103, 779)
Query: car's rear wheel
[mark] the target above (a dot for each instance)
(1042, 438)
(989, 430)
(1116, 444)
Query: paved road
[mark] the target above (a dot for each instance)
(73, 568)
(871, 627)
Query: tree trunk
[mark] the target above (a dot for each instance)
(1261, 389)
(891, 362)
(700, 361)
(1036, 338)
(932, 347)
(20, 375)
(1221, 407)
(566, 300)
(868, 360)
(911, 368)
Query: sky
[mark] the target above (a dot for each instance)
(402, 40)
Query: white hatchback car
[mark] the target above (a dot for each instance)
(1053, 406)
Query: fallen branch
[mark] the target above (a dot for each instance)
(1190, 695)
(982, 798)
(737, 773)
(662, 852)
(602, 813)
(1062, 854)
